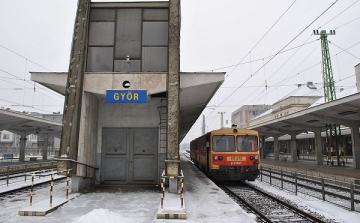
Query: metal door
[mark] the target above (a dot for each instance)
(129, 156)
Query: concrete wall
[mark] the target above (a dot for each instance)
(98, 83)
(127, 116)
(87, 152)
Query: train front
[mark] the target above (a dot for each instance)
(234, 154)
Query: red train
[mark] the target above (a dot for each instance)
(228, 154)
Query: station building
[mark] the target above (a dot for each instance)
(124, 112)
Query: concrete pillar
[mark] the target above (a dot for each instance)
(263, 151)
(22, 147)
(173, 93)
(74, 86)
(45, 147)
(293, 147)
(318, 147)
(276, 147)
(357, 75)
(355, 141)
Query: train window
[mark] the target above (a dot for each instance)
(223, 143)
(247, 143)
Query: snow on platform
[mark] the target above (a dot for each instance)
(43, 207)
(171, 208)
(205, 203)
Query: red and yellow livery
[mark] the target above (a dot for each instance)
(228, 154)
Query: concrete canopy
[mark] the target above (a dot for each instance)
(344, 111)
(21, 123)
(196, 90)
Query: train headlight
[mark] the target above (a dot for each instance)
(256, 157)
(251, 158)
(220, 158)
(215, 158)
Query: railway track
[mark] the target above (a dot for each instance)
(26, 189)
(266, 207)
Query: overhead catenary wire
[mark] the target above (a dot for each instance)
(17, 104)
(273, 56)
(30, 88)
(24, 57)
(15, 77)
(347, 23)
(256, 60)
(339, 13)
(291, 77)
(30, 82)
(280, 51)
(287, 77)
(345, 50)
(262, 37)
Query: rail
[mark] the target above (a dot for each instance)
(345, 194)
(11, 174)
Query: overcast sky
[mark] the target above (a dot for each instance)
(238, 37)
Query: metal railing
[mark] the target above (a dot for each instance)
(12, 174)
(342, 193)
(82, 164)
(33, 175)
(181, 189)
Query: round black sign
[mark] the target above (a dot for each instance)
(126, 84)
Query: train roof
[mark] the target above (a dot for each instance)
(231, 131)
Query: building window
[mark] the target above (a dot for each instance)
(141, 34)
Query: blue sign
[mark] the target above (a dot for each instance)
(126, 96)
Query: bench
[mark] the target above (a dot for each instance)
(8, 156)
(34, 158)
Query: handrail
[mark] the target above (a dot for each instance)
(51, 185)
(75, 161)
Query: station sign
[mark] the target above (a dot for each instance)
(126, 96)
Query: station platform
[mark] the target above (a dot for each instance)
(204, 202)
(28, 160)
(310, 167)
(14, 165)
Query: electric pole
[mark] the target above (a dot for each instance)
(203, 125)
(333, 132)
(222, 119)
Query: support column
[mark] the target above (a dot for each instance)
(22, 147)
(263, 151)
(173, 92)
(74, 86)
(355, 141)
(45, 147)
(293, 147)
(276, 147)
(318, 147)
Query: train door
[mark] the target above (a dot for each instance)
(129, 156)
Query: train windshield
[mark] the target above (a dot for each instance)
(223, 143)
(247, 143)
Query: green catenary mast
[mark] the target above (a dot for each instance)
(333, 133)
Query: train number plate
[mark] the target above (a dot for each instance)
(236, 158)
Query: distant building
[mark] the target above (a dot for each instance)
(9, 139)
(300, 99)
(244, 114)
